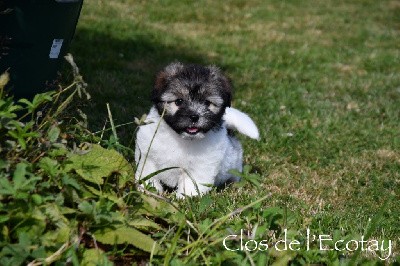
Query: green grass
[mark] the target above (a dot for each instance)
(321, 79)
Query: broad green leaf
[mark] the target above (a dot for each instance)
(129, 235)
(157, 207)
(38, 214)
(7, 111)
(100, 163)
(26, 102)
(59, 149)
(67, 210)
(42, 97)
(24, 239)
(86, 207)
(94, 257)
(39, 253)
(19, 175)
(117, 200)
(143, 223)
(67, 180)
(5, 187)
(58, 236)
(50, 166)
(53, 212)
(63, 234)
(53, 133)
(37, 100)
(4, 218)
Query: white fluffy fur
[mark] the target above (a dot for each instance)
(241, 122)
(200, 163)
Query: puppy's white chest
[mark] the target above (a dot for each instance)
(170, 150)
(194, 157)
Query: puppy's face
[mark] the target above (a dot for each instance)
(194, 98)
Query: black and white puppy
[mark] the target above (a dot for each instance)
(187, 128)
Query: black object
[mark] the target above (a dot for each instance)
(34, 37)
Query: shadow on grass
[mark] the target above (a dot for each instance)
(121, 73)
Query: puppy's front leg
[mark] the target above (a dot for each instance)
(148, 169)
(190, 186)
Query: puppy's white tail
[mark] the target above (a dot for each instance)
(241, 122)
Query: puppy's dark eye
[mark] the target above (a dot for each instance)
(178, 102)
(207, 103)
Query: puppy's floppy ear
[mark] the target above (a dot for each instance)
(162, 79)
(223, 83)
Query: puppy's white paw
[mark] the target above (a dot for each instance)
(140, 188)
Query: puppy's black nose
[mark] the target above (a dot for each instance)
(194, 118)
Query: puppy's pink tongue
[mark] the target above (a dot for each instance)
(192, 130)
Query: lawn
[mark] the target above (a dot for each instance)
(321, 79)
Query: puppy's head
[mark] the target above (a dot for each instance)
(194, 98)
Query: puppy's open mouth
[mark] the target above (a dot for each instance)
(192, 130)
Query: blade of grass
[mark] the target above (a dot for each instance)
(114, 131)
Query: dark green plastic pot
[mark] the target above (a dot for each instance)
(34, 37)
